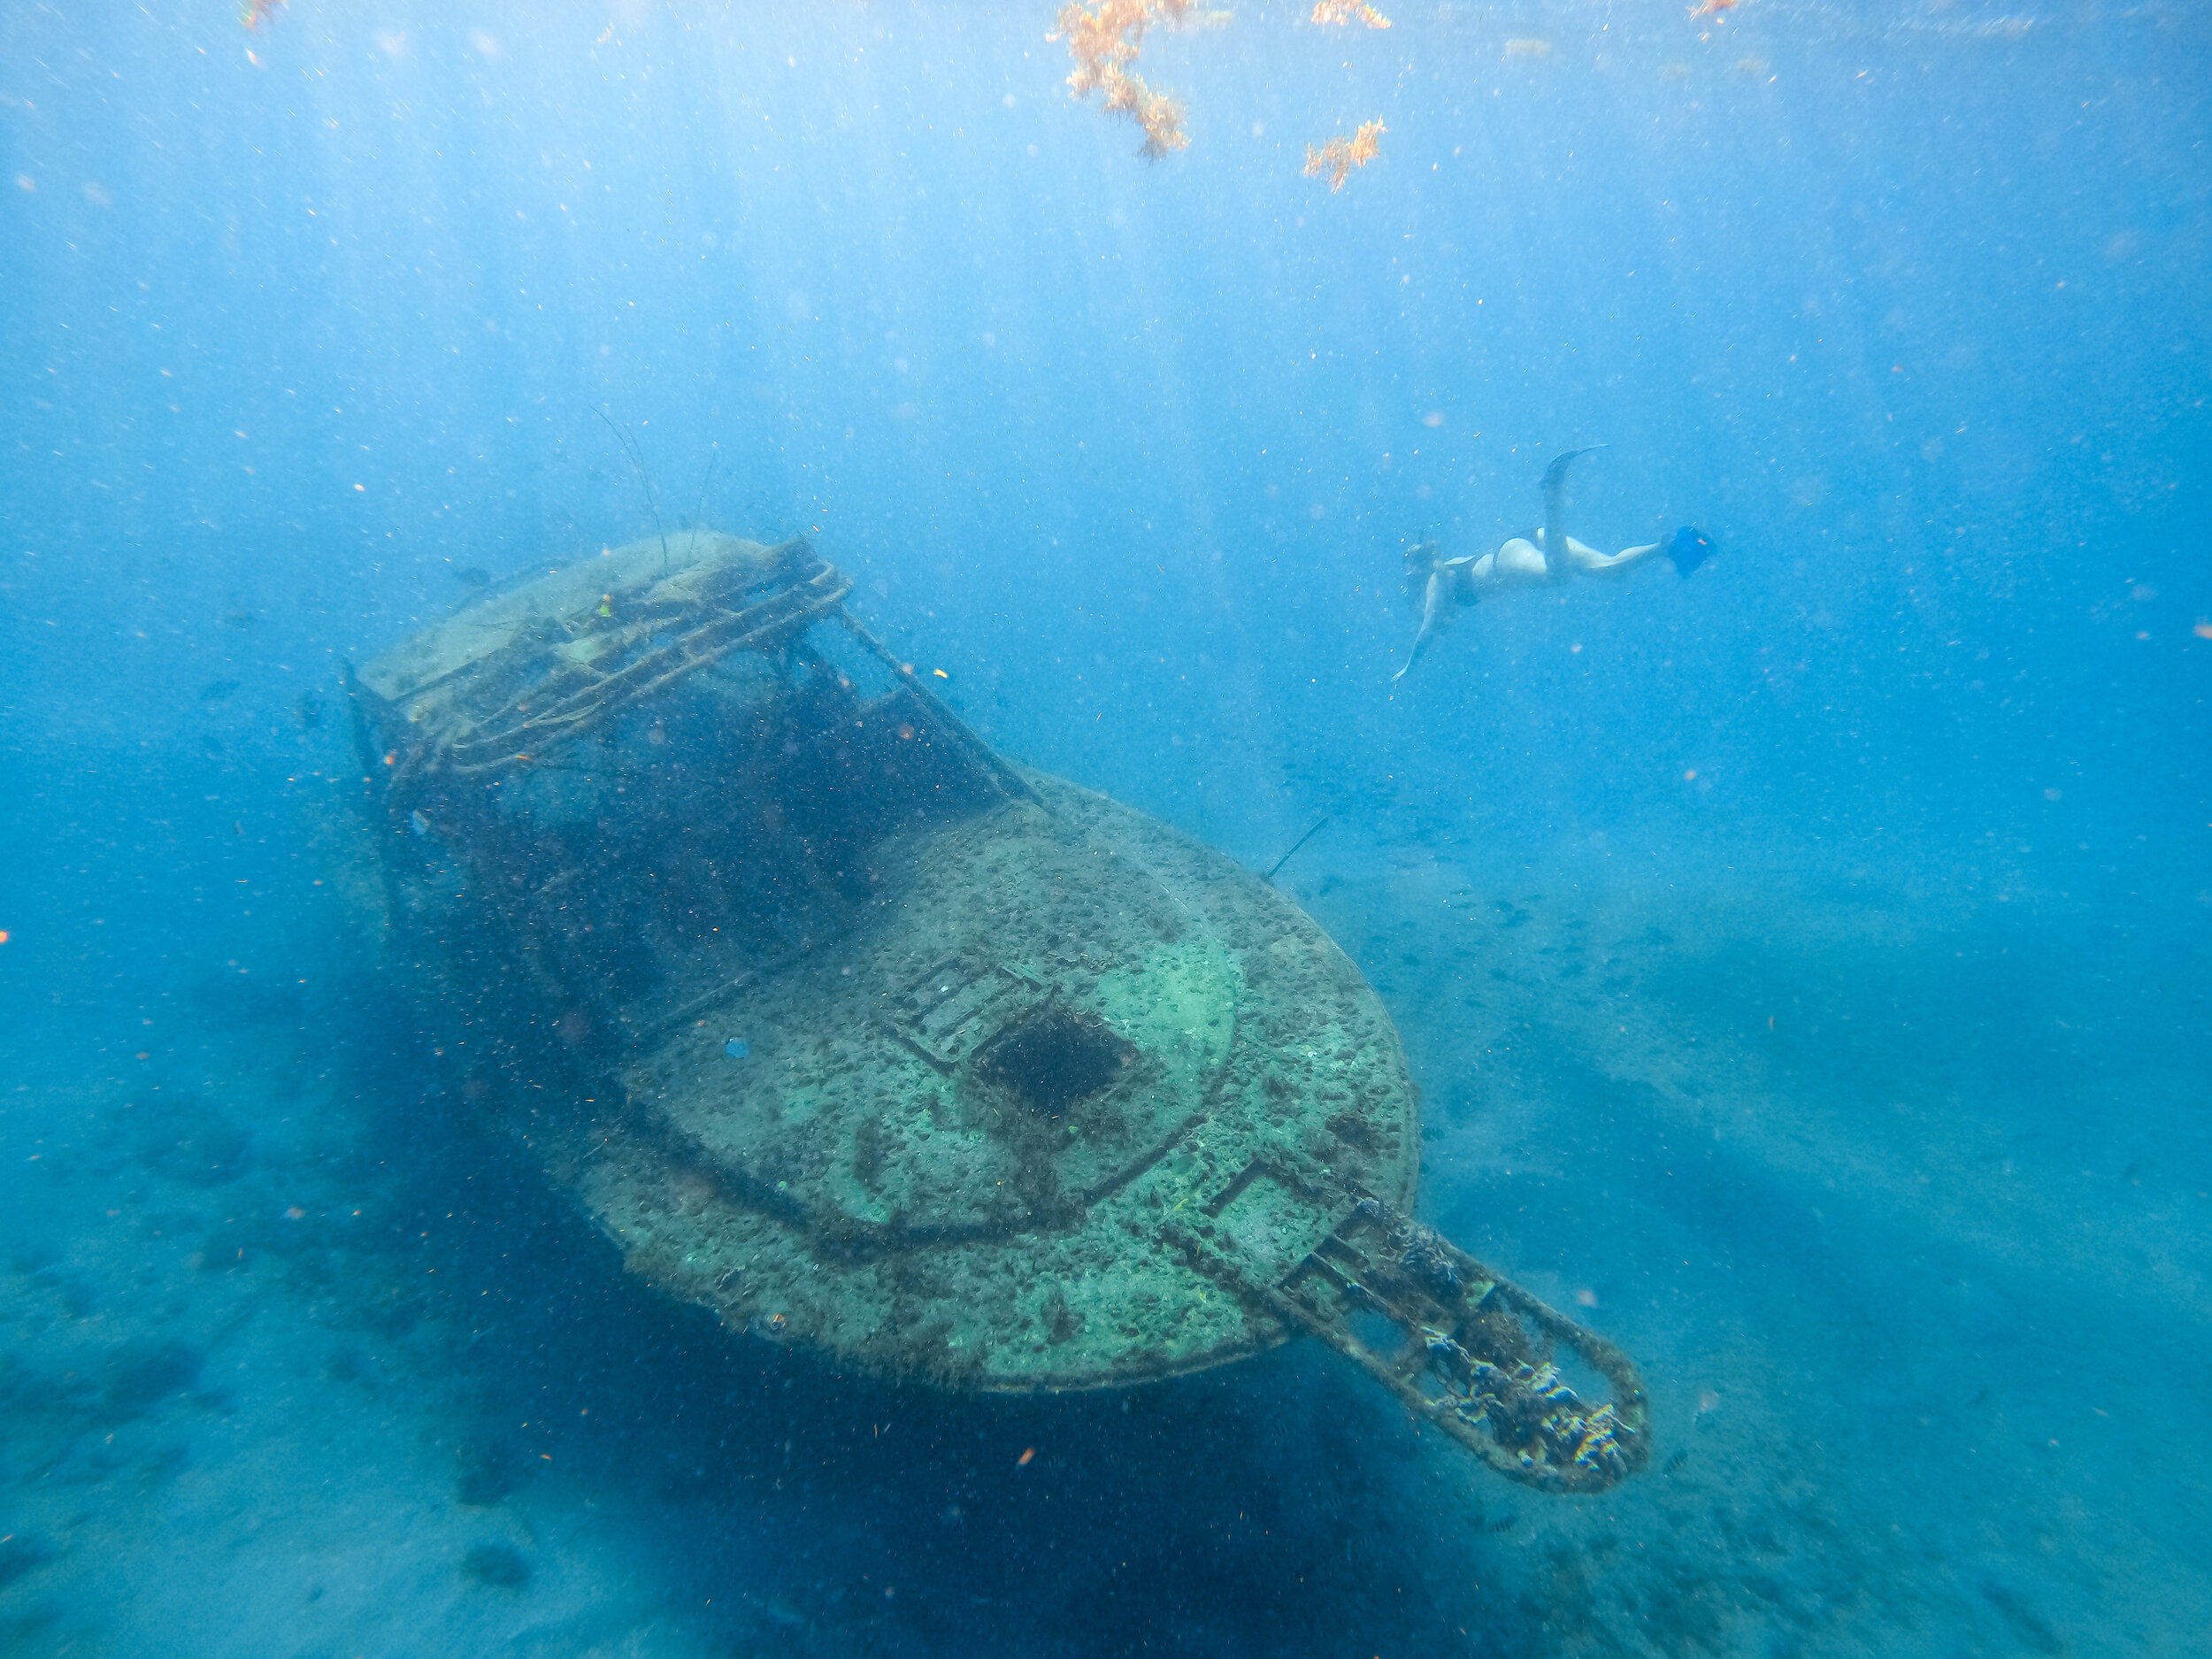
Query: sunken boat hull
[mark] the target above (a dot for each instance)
(846, 1027)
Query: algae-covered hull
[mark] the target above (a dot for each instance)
(844, 1027)
(958, 1138)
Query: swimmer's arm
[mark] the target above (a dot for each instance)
(1435, 611)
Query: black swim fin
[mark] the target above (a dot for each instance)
(1556, 474)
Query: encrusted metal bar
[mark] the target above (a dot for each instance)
(1477, 1355)
(1008, 780)
(759, 627)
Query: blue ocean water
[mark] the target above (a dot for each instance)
(1804, 962)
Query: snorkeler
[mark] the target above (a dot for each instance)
(1523, 562)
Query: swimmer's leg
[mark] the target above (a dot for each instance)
(1588, 559)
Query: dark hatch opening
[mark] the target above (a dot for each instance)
(1055, 1058)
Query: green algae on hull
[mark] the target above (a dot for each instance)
(918, 1209)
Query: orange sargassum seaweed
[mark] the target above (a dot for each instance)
(1342, 13)
(1105, 45)
(1341, 155)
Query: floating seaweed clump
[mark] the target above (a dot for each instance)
(1105, 44)
(1341, 154)
(1342, 13)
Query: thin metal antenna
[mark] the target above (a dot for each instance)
(699, 518)
(1270, 877)
(644, 478)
